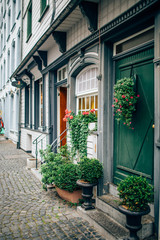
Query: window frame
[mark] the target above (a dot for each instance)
(29, 21)
(43, 9)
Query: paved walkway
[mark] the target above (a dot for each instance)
(29, 212)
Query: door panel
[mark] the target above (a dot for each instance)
(133, 149)
(63, 106)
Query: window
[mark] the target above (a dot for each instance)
(43, 5)
(8, 65)
(87, 90)
(13, 56)
(4, 73)
(9, 22)
(12, 114)
(62, 73)
(29, 21)
(5, 34)
(13, 12)
(18, 48)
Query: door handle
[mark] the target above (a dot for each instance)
(153, 126)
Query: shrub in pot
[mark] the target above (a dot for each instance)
(65, 179)
(90, 170)
(51, 163)
(135, 193)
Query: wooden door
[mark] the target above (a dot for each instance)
(63, 106)
(133, 149)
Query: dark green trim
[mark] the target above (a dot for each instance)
(38, 62)
(60, 38)
(30, 103)
(57, 84)
(44, 100)
(28, 37)
(43, 13)
(26, 106)
(43, 56)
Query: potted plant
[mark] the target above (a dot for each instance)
(65, 182)
(90, 170)
(124, 100)
(135, 193)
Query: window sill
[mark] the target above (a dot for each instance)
(29, 36)
(43, 13)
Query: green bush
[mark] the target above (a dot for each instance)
(90, 170)
(66, 177)
(135, 193)
(52, 162)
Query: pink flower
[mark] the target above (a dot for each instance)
(71, 117)
(127, 100)
(67, 115)
(66, 111)
(92, 110)
(130, 104)
(131, 97)
(124, 123)
(123, 96)
(64, 119)
(85, 113)
(112, 105)
(116, 100)
(130, 123)
(132, 128)
(138, 95)
(118, 110)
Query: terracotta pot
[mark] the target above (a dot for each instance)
(70, 196)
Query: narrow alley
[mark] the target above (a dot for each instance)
(29, 212)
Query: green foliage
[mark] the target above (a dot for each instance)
(90, 170)
(124, 100)
(135, 193)
(78, 125)
(52, 163)
(66, 177)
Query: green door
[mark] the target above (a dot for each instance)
(133, 149)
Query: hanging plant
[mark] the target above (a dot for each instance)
(125, 99)
(79, 131)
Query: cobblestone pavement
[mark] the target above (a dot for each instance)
(29, 212)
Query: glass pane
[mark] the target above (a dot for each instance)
(64, 73)
(87, 103)
(96, 102)
(79, 105)
(92, 102)
(83, 103)
(59, 75)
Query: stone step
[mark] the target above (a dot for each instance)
(108, 227)
(109, 205)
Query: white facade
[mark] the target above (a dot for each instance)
(10, 58)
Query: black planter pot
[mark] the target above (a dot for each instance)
(133, 221)
(87, 194)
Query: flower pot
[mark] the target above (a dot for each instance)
(133, 221)
(70, 196)
(50, 186)
(87, 194)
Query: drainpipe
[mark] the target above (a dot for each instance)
(19, 121)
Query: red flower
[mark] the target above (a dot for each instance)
(123, 96)
(130, 104)
(71, 117)
(126, 99)
(138, 95)
(64, 119)
(112, 105)
(66, 111)
(131, 97)
(85, 113)
(92, 110)
(116, 100)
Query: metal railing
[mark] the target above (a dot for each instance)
(58, 141)
(38, 140)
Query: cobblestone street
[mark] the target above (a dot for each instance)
(29, 212)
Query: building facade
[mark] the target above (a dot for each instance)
(10, 58)
(72, 54)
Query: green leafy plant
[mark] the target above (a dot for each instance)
(66, 177)
(52, 162)
(79, 131)
(135, 193)
(90, 170)
(125, 99)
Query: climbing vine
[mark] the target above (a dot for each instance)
(79, 131)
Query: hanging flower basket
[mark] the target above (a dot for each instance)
(125, 99)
